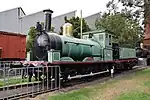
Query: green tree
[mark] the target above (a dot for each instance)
(125, 29)
(138, 10)
(52, 27)
(76, 23)
(31, 37)
(133, 9)
(142, 8)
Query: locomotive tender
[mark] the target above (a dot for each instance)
(94, 53)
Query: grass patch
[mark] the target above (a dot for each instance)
(84, 93)
(134, 96)
(147, 83)
(104, 85)
(144, 72)
(81, 94)
(14, 81)
(132, 87)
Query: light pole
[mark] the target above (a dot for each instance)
(81, 25)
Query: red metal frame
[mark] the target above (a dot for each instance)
(73, 63)
(94, 62)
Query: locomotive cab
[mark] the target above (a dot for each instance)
(104, 39)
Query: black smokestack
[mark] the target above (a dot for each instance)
(48, 18)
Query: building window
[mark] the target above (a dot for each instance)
(110, 36)
(90, 35)
(85, 37)
(106, 35)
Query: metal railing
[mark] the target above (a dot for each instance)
(27, 81)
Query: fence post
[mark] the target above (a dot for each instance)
(112, 72)
(47, 71)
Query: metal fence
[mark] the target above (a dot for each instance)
(5, 66)
(27, 81)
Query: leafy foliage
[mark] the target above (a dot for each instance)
(76, 23)
(52, 27)
(137, 9)
(131, 8)
(31, 37)
(125, 29)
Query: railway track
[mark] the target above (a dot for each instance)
(17, 91)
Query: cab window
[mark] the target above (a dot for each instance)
(109, 39)
(106, 35)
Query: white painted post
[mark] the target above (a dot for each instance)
(112, 72)
(28, 56)
(50, 57)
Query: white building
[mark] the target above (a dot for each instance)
(9, 20)
(15, 20)
(91, 20)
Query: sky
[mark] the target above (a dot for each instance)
(59, 7)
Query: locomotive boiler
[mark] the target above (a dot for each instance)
(70, 48)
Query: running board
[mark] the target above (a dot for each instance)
(91, 74)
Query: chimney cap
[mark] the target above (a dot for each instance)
(48, 10)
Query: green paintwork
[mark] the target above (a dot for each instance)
(108, 54)
(104, 39)
(99, 46)
(78, 49)
(127, 53)
(56, 56)
(53, 55)
(66, 59)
